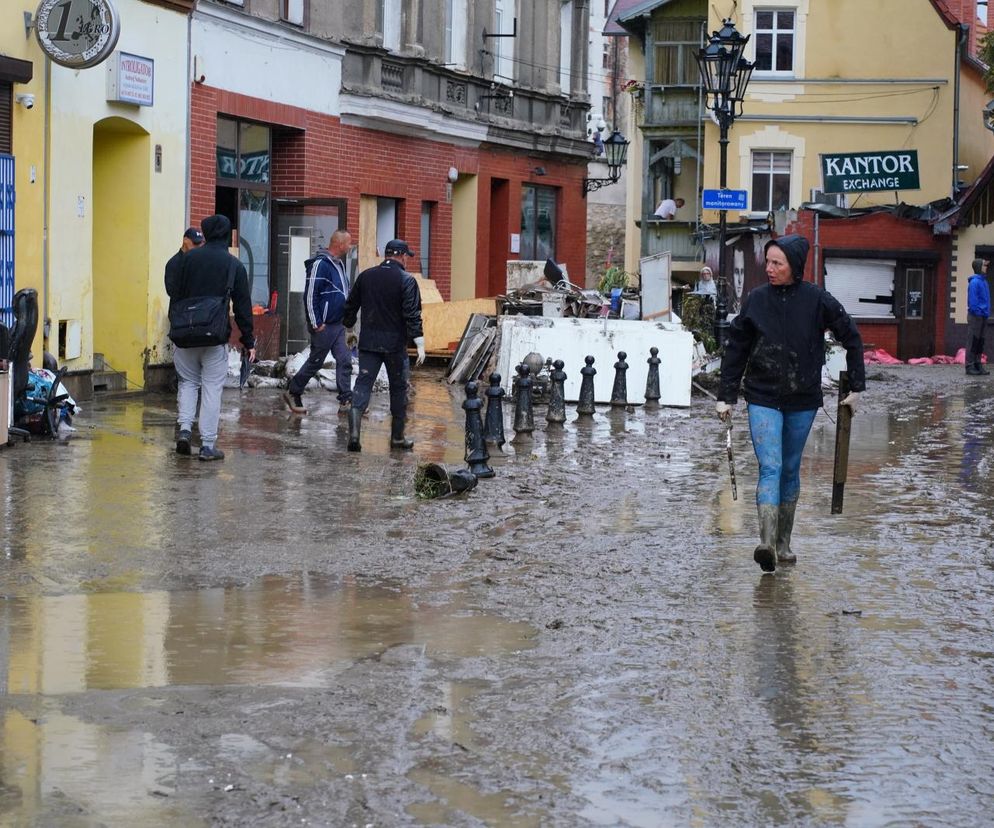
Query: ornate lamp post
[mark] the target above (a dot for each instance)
(725, 75)
(615, 152)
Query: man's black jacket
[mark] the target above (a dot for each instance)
(204, 272)
(390, 301)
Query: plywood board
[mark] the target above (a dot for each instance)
(429, 290)
(445, 322)
(573, 339)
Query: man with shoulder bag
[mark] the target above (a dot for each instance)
(200, 293)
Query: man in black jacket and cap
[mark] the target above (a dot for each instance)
(202, 370)
(390, 301)
(777, 343)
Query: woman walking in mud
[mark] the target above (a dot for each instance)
(775, 351)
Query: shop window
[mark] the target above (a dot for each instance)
(242, 151)
(242, 194)
(770, 181)
(538, 222)
(775, 41)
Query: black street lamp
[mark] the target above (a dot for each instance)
(725, 74)
(615, 152)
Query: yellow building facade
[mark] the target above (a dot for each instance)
(847, 76)
(101, 192)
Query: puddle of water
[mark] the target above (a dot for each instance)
(454, 797)
(297, 631)
(57, 764)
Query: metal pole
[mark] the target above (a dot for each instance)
(721, 306)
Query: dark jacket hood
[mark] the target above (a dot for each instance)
(217, 228)
(794, 247)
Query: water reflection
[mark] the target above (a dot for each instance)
(59, 764)
(289, 631)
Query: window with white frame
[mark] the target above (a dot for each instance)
(293, 11)
(770, 181)
(503, 46)
(455, 33)
(391, 15)
(982, 11)
(774, 35)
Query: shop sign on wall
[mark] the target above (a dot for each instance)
(868, 172)
(131, 79)
(77, 33)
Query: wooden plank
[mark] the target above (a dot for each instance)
(445, 322)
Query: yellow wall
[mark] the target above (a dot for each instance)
(78, 104)
(848, 50)
(976, 142)
(28, 151)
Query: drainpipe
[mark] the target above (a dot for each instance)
(189, 108)
(46, 322)
(961, 36)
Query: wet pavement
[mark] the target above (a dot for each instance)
(291, 637)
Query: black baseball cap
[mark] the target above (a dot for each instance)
(194, 235)
(397, 247)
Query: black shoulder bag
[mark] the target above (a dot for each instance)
(200, 321)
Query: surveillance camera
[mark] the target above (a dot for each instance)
(25, 99)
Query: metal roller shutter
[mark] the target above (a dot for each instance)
(865, 287)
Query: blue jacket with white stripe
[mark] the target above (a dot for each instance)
(325, 291)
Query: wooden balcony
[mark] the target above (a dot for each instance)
(660, 236)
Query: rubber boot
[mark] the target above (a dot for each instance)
(355, 422)
(397, 438)
(766, 553)
(785, 525)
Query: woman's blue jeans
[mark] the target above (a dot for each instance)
(778, 438)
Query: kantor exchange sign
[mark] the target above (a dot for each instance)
(868, 172)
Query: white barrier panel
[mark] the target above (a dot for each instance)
(573, 339)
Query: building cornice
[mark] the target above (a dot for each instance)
(386, 115)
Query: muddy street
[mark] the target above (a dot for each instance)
(291, 637)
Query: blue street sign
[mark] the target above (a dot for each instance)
(725, 199)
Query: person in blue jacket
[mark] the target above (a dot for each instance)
(978, 308)
(776, 350)
(325, 292)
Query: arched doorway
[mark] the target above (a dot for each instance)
(121, 182)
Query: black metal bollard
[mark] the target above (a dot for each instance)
(585, 405)
(493, 427)
(619, 394)
(652, 381)
(556, 412)
(524, 418)
(476, 446)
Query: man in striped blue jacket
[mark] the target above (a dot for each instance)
(325, 292)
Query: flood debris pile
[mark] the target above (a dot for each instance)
(277, 373)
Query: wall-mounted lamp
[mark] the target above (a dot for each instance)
(25, 99)
(538, 171)
(453, 175)
(615, 152)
